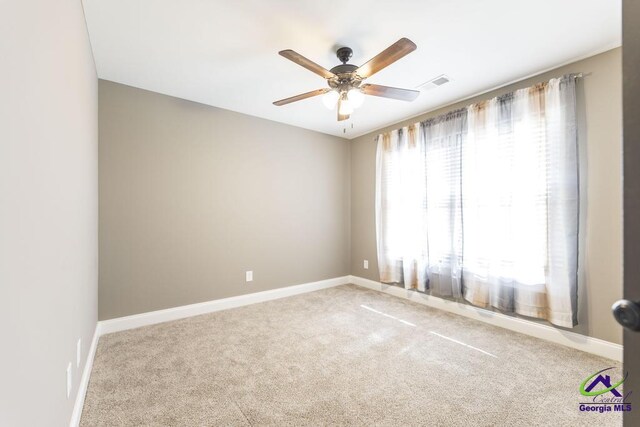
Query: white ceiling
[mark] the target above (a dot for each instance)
(225, 53)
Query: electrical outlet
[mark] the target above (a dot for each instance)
(249, 276)
(366, 264)
(78, 352)
(68, 380)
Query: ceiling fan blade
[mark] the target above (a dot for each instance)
(390, 92)
(301, 97)
(306, 63)
(387, 57)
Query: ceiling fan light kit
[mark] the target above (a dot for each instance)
(345, 107)
(330, 99)
(354, 97)
(346, 89)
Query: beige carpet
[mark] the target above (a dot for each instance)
(340, 356)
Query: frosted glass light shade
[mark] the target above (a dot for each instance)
(330, 99)
(345, 107)
(356, 98)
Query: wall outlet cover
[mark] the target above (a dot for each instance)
(249, 276)
(366, 264)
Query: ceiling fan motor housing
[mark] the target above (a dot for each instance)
(345, 74)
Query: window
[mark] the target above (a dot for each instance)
(482, 203)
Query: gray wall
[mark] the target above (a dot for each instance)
(192, 196)
(600, 115)
(48, 207)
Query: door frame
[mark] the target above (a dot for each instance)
(631, 197)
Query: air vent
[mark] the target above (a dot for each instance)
(435, 82)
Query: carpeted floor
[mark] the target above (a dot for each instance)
(340, 356)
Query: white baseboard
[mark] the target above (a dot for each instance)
(160, 316)
(84, 380)
(570, 339)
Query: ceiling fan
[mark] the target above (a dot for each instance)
(346, 87)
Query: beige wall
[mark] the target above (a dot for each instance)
(192, 196)
(48, 207)
(600, 117)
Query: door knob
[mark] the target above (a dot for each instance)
(627, 313)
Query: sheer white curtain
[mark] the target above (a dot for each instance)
(520, 187)
(401, 208)
(483, 203)
(505, 203)
(444, 137)
(419, 205)
(563, 202)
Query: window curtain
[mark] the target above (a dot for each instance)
(401, 207)
(482, 203)
(419, 205)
